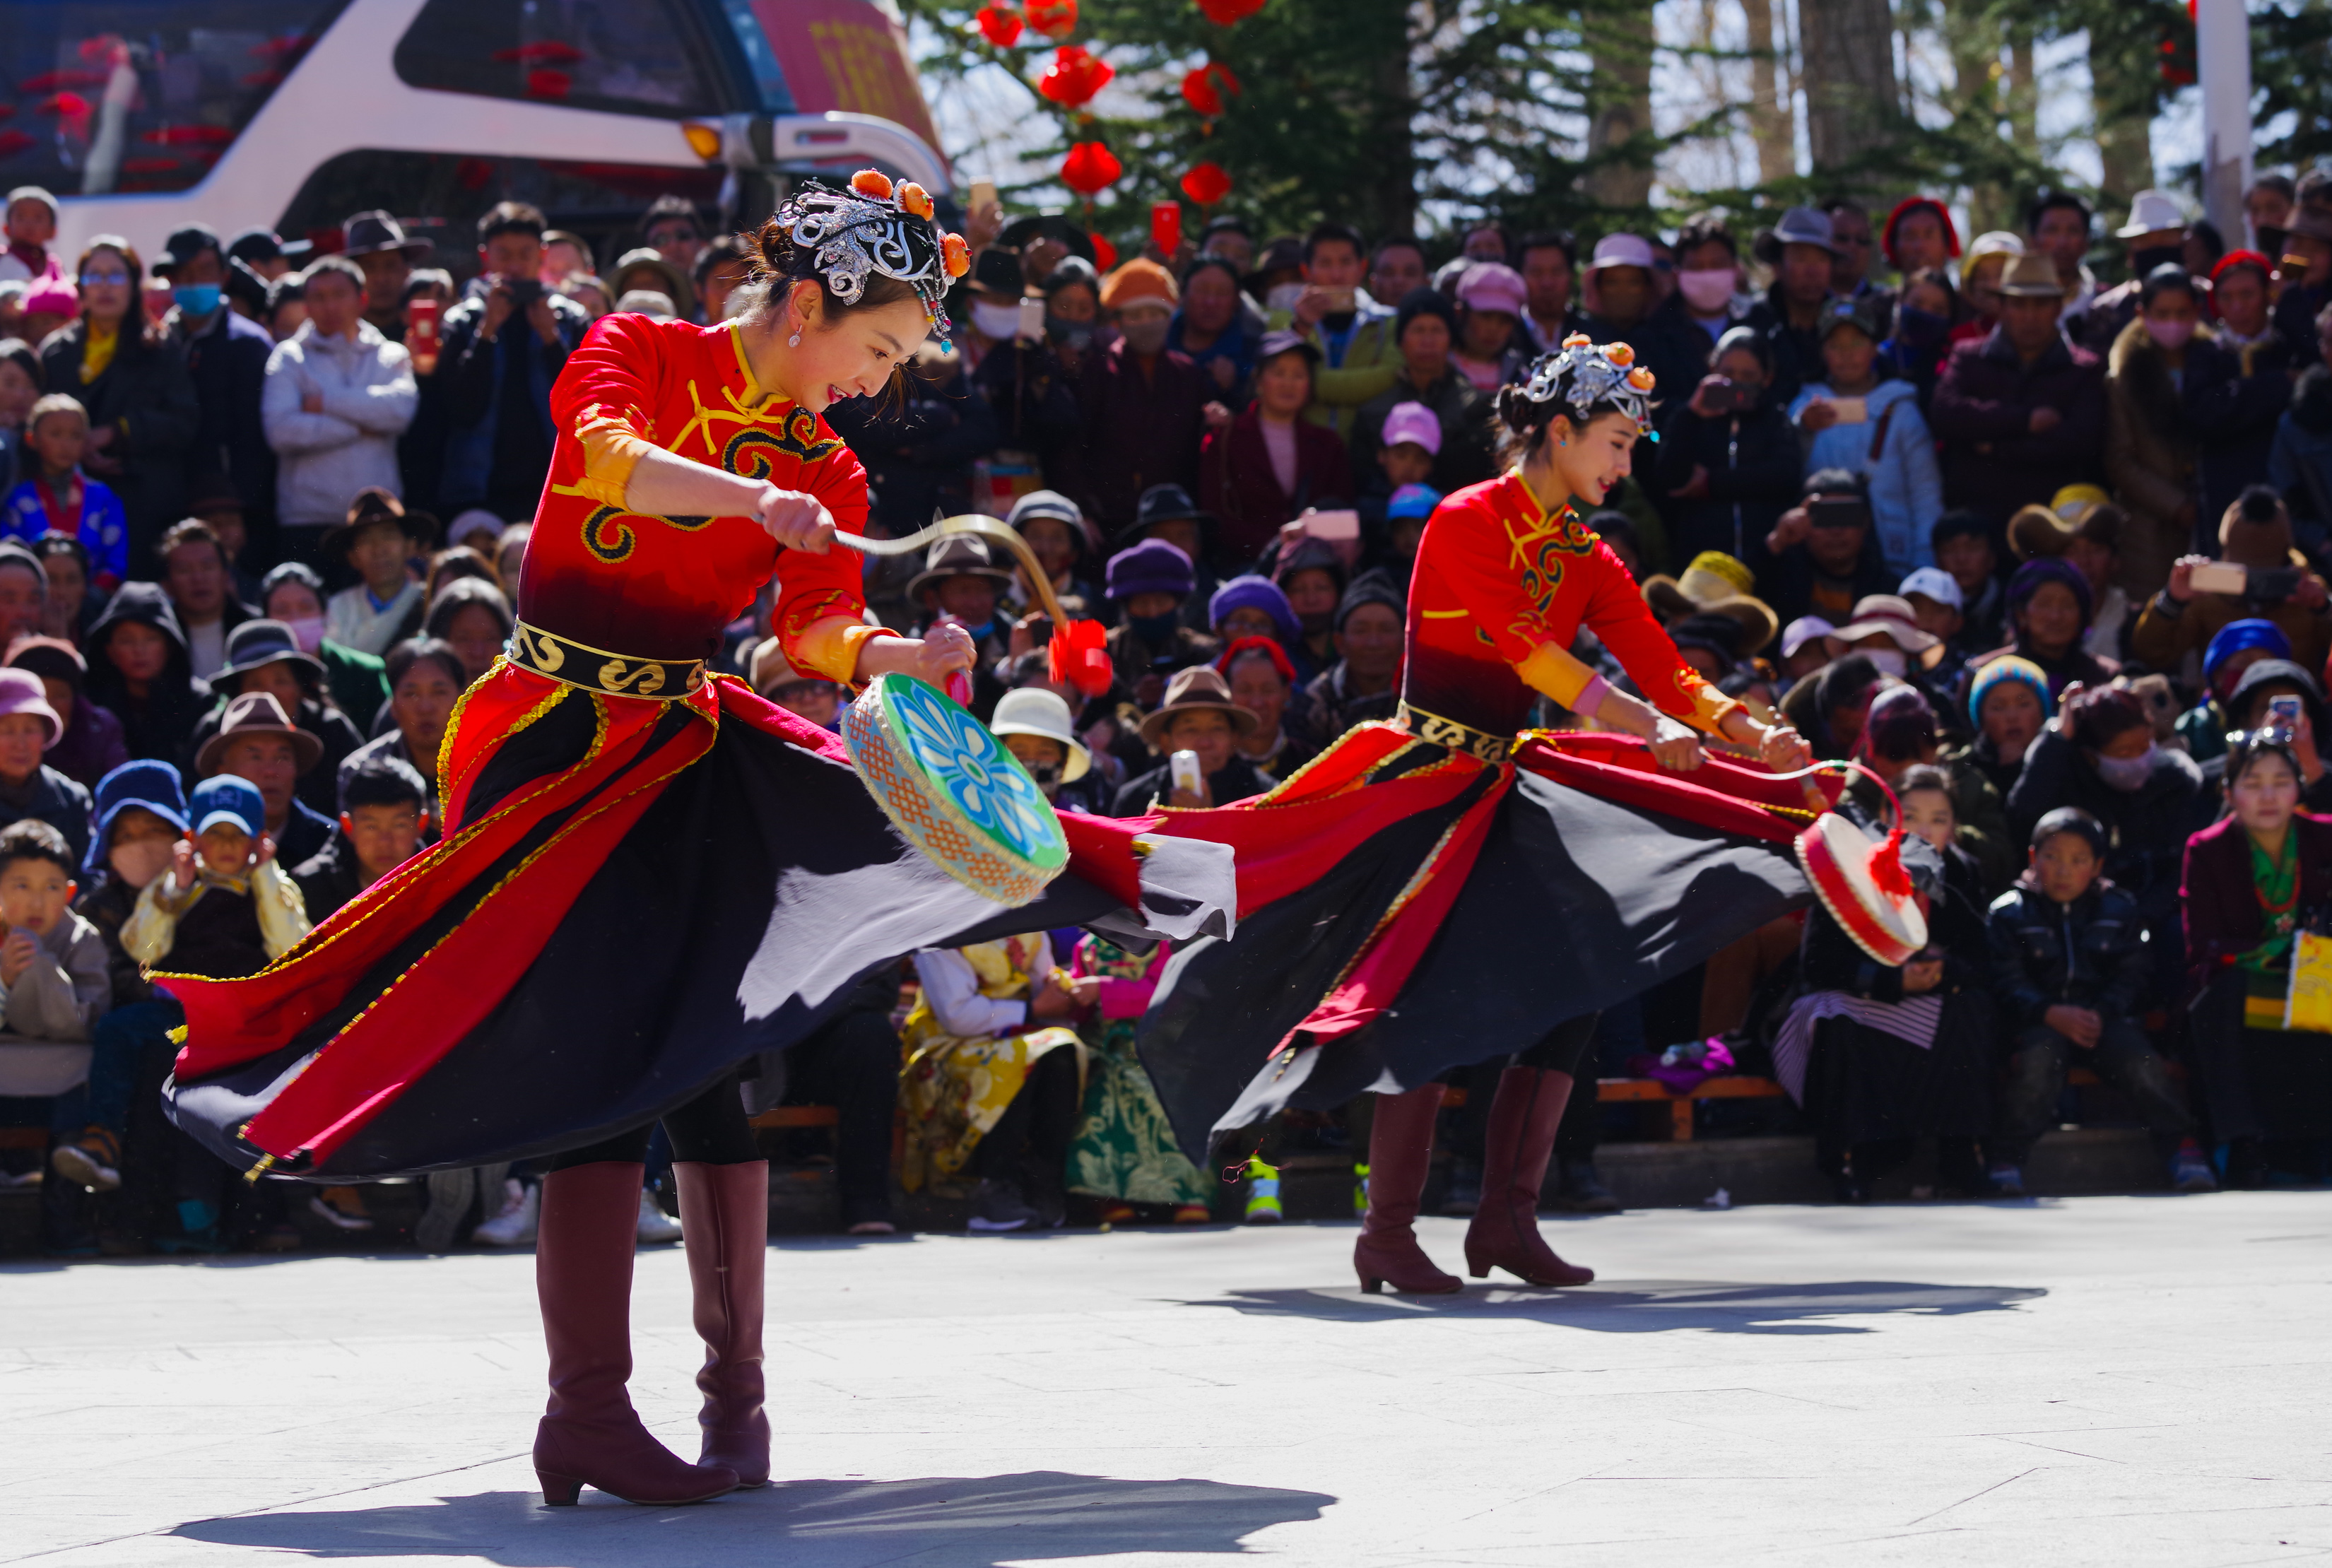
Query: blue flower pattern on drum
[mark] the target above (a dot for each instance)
(975, 770)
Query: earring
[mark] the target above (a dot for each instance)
(794, 341)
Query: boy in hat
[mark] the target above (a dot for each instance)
(383, 813)
(1934, 596)
(57, 497)
(961, 582)
(30, 223)
(376, 543)
(1198, 716)
(1405, 515)
(1149, 584)
(140, 815)
(1411, 441)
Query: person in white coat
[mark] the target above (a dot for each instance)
(1851, 420)
(338, 396)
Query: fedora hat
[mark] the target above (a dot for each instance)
(2152, 212)
(1034, 710)
(21, 692)
(256, 714)
(1798, 226)
(1715, 584)
(2032, 276)
(2075, 512)
(1891, 614)
(262, 642)
(958, 555)
(369, 234)
(675, 287)
(1197, 690)
(373, 504)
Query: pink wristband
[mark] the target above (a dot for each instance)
(1591, 696)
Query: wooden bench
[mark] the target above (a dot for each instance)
(798, 1116)
(1651, 1091)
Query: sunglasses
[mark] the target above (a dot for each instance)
(89, 278)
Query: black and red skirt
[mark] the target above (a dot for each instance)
(1408, 907)
(631, 897)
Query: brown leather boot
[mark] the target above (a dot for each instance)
(1505, 1233)
(1400, 1151)
(590, 1435)
(724, 1224)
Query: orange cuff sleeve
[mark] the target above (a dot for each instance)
(1710, 708)
(1552, 670)
(829, 648)
(611, 450)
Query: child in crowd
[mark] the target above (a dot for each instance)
(1413, 441)
(56, 497)
(1126, 1154)
(31, 223)
(384, 816)
(53, 984)
(1964, 546)
(1855, 420)
(376, 544)
(2069, 963)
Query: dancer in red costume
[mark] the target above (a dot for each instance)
(1432, 892)
(648, 874)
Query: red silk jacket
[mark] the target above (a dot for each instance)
(664, 588)
(1501, 588)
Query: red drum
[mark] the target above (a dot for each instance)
(1865, 887)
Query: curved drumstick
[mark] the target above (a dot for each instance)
(971, 523)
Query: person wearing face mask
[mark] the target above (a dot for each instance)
(2099, 755)
(226, 354)
(1030, 386)
(1619, 297)
(1148, 583)
(1036, 727)
(1923, 314)
(2150, 451)
(2154, 238)
(1145, 405)
(1708, 277)
(1884, 630)
(294, 595)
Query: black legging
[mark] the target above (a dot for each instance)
(1564, 1048)
(709, 1129)
(1040, 1125)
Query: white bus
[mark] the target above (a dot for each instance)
(145, 115)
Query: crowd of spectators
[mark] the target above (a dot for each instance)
(2045, 552)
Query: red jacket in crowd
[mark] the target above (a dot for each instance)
(1238, 485)
(1142, 422)
(1982, 414)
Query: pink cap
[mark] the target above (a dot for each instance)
(21, 692)
(1492, 286)
(52, 296)
(1413, 422)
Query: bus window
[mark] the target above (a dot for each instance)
(631, 56)
(99, 96)
(600, 201)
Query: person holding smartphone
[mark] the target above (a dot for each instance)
(1728, 465)
(502, 348)
(1854, 419)
(2258, 575)
(1438, 894)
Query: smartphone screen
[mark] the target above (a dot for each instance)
(1851, 410)
(421, 339)
(2283, 713)
(1166, 227)
(1334, 527)
(983, 195)
(1185, 773)
(2219, 577)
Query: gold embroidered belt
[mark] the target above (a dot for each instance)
(598, 670)
(1455, 736)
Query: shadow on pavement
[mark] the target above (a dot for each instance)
(976, 1522)
(1650, 1307)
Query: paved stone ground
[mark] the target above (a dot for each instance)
(2107, 1380)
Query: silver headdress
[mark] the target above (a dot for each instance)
(1586, 374)
(875, 227)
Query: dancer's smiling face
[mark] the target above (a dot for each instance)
(1592, 459)
(842, 354)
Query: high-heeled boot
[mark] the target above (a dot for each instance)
(1400, 1153)
(590, 1435)
(724, 1224)
(1524, 1119)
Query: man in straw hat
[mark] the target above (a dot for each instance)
(2020, 411)
(2082, 524)
(1035, 726)
(1200, 717)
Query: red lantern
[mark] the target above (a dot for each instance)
(1090, 168)
(1207, 184)
(1001, 24)
(1105, 252)
(1224, 13)
(1074, 76)
(1052, 18)
(1203, 88)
